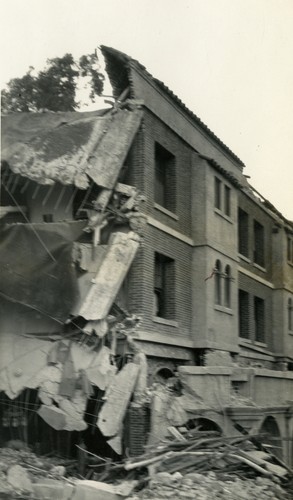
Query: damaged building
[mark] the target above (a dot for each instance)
(134, 255)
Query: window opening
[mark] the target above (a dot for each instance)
(227, 287)
(227, 201)
(290, 249)
(243, 316)
(258, 243)
(164, 287)
(218, 184)
(259, 319)
(48, 217)
(290, 314)
(218, 275)
(165, 178)
(243, 233)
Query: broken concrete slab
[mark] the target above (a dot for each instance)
(94, 490)
(121, 252)
(51, 489)
(117, 397)
(19, 478)
(53, 416)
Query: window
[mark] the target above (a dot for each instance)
(243, 233)
(164, 287)
(222, 197)
(258, 231)
(243, 316)
(227, 196)
(290, 315)
(259, 319)
(165, 178)
(48, 217)
(227, 287)
(218, 277)
(290, 249)
(218, 186)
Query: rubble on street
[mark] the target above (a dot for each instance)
(201, 465)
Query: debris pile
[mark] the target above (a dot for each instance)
(20, 469)
(208, 465)
(201, 465)
(208, 486)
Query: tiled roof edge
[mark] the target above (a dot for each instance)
(264, 203)
(137, 65)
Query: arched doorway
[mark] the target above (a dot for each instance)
(203, 424)
(271, 436)
(163, 374)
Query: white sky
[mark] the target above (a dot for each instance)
(230, 61)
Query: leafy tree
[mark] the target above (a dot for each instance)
(53, 88)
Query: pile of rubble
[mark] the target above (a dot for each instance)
(21, 469)
(205, 465)
(201, 465)
(208, 486)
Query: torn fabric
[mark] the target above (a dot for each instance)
(36, 267)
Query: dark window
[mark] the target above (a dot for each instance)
(243, 232)
(243, 305)
(13, 203)
(165, 178)
(259, 319)
(164, 286)
(227, 285)
(290, 249)
(48, 217)
(227, 200)
(290, 315)
(218, 186)
(218, 279)
(258, 231)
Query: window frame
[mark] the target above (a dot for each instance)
(258, 243)
(290, 314)
(165, 181)
(165, 293)
(243, 314)
(259, 319)
(243, 232)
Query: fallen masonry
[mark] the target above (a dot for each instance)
(201, 465)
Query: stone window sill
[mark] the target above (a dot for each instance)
(224, 216)
(166, 211)
(261, 268)
(164, 321)
(243, 257)
(223, 309)
(260, 344)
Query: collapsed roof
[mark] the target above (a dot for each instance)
(70, 148)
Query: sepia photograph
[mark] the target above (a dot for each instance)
(146, 250)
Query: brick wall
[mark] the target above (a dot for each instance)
(141, 283)
(141, 172)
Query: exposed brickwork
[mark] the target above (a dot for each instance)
(141, 296)
(137, 425)
(142, 171)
